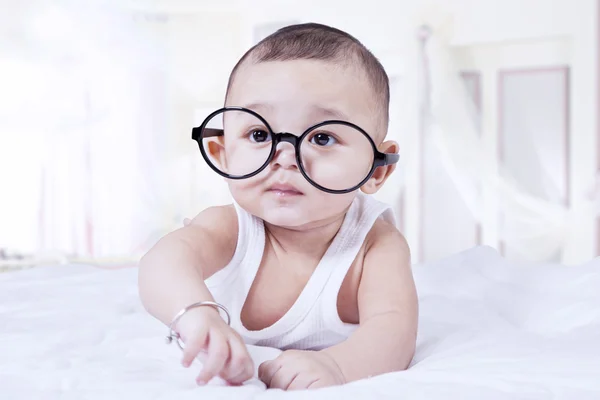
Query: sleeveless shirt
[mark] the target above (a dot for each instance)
(312, 322)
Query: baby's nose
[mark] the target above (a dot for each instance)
(285, 156)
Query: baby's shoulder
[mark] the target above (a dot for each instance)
(217, 217)
(219, 227)
(384, 236)
(220, 222)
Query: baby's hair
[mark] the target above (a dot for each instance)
(313, 41)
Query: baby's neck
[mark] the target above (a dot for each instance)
(310, 242)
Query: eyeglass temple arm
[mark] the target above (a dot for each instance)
(208, 132)
(391, 158)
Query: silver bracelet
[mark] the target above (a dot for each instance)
(175, 336)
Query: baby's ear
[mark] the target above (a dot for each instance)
(215, 147)
(381, 173)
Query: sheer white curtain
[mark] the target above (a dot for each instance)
(42, 117)
(126, 134)
(21, 151)
(91, 124)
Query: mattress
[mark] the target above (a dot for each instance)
(488, 329)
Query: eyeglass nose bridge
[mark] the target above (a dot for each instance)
(286, 137)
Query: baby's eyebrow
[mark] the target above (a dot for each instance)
(330, 112)
(258, 106)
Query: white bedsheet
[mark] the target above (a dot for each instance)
(489, 329)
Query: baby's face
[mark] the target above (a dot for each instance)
(293, 96)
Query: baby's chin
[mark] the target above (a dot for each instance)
(286, 217)
(291, 216)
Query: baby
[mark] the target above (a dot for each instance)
(305, 260)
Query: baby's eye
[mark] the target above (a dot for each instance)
(259, 136)
(323, 139)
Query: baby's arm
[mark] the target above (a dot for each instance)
(171, 276)
(384, 341)
(172, 273)
(388, 309)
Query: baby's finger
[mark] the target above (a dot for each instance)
(301, 381)
(317, 384)
(240, 366)
(268, 369)
(194, 346)
(218, 354)
(186, 221)
(282, 378)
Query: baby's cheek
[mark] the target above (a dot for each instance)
(245, 192)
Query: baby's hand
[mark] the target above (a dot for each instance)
(296, 369)
(221, 349)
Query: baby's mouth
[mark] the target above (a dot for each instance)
(284, 190)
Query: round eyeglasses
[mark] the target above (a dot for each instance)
(334, 156)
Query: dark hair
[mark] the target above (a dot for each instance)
(313, 41)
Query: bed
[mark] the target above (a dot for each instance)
(489, 329)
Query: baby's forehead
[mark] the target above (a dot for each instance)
(337, 90)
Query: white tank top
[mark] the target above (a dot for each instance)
(312, 322)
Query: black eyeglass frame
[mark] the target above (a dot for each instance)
(379, 160)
